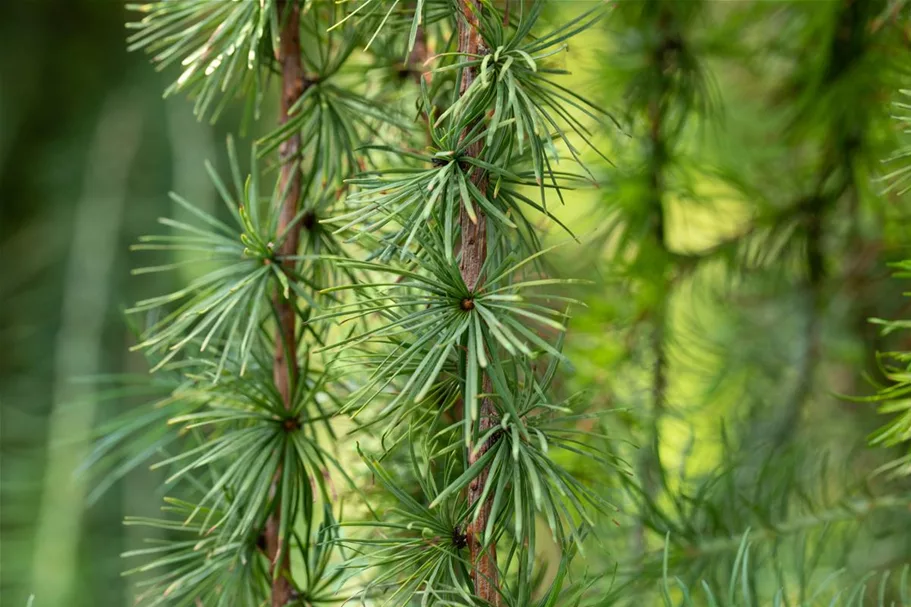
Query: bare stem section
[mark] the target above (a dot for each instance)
(474, 251)
(285, 359)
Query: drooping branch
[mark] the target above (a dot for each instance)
(285, 357)
(484, 571)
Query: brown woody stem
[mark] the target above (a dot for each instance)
(285, 359)
(484, 571)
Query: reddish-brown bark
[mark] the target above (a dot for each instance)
(285, 359)
(484, 571)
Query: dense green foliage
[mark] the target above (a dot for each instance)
(658, 385)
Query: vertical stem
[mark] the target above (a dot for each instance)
(651, 469)
(659, 373)
(484, 571)
(847, 47)
(285, 359)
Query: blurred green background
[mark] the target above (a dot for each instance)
(89, 150)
